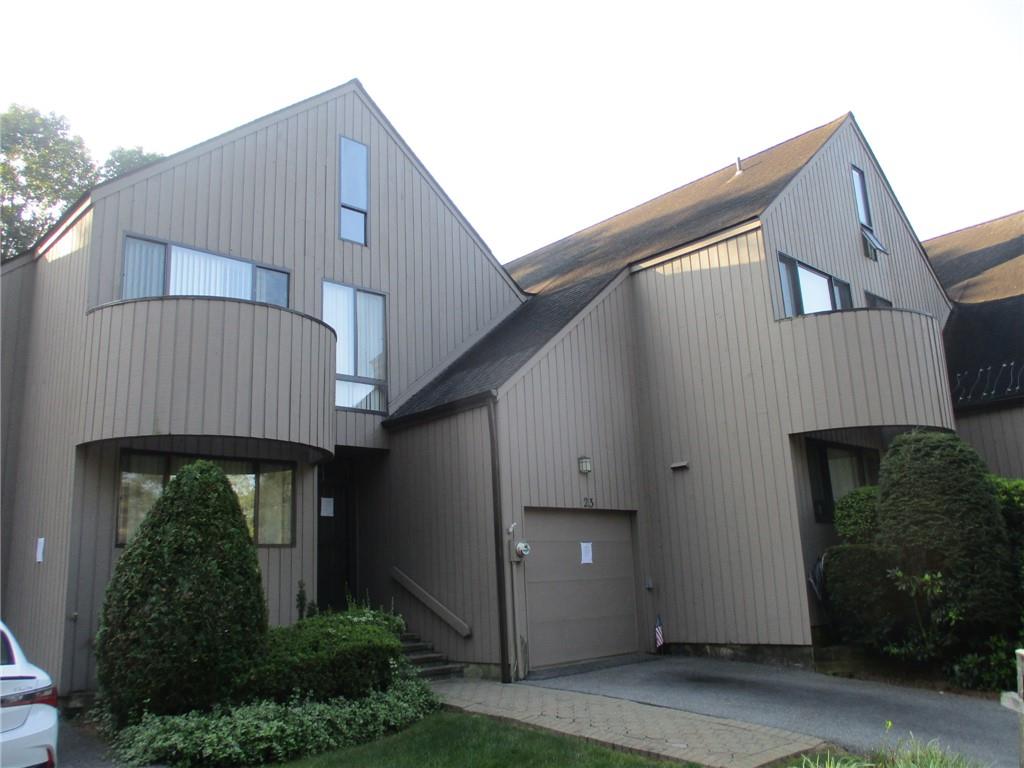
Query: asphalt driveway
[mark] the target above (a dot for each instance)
(850, 713)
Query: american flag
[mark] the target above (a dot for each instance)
(659, 634)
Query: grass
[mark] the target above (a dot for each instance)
(906, 753)
(452, 740)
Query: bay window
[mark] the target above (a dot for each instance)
(357, 317)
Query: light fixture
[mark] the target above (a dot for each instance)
(586, 465)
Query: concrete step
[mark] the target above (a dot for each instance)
(420, 658)
(410, 636)
(412, 646)
(441, 670)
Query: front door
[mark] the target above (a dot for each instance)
(336, 535)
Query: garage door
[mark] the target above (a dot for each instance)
(580, 585)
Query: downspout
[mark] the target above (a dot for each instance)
(499, 537)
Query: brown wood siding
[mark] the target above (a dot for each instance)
(724, 386)
(39, 459)
(94, 554)
(815, 221)
(268, 192)
(428, 509)
(207, 367)
(998, 435)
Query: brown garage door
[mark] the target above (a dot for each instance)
(579, 610)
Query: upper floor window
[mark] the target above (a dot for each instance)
(265, 491)
(806, 290)
(872, 245)
(876, 301)
(354, 173)
(153, 268)
(357, 318)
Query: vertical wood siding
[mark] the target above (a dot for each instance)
(268, 192)
(723, 387)
(998, 435)
(207, 367)
(93, 552)
(428, 509)
(39, 460)
(815, 221)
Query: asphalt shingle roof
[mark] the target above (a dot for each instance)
(982, 270)
(566, 275)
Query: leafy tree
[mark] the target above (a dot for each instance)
(184, 619)
(124, 160)
(43, 169)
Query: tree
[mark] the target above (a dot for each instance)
(43, 169)
(184, 619)
(124, 160)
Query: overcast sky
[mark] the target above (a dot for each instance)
(539, 119)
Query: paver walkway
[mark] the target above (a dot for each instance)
(621, 724)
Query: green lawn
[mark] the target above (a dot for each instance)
(449, 739)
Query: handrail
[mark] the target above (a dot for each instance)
(435, 605)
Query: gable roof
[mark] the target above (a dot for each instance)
(568, 274)
(982, 268)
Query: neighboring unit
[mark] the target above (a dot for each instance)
(664, 406)
(982, 269)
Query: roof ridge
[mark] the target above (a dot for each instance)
(972, 226)
(836, 122)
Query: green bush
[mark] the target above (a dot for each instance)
(993, 668)
(324, 656)
(856, 515)
(937, 506)
(184, 615)
(270, 732)
(863, 602)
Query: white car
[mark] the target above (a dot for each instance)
(28, 709)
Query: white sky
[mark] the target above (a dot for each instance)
(539, 119)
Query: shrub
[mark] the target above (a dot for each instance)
(324, 656)
(184, 614)
(863, 602)
(856, 515)
(269, 732)
(937, 506)
(993, 668)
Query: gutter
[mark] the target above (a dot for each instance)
(499, 536)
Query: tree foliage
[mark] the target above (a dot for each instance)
(43, 169)
(184, 619)
(856, 515)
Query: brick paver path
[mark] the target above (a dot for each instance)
(621, 724)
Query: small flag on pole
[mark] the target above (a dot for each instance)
(659, 634)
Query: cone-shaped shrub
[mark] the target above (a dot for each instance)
(184, 617)
(938, 507)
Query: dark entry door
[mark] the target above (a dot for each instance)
(337, 531)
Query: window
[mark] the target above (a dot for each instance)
(265, 490)
(806, 291)
(835, 470)
(872, 245)
(153, 268)
(354, 193)
(876, 301)
(357, 318)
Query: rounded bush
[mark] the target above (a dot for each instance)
(184, 617)
(863, 602)
(938, 507)
(856, 515)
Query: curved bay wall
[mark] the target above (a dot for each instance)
(207, 366)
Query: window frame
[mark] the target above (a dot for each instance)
(169, 245)
(356, 378)
(874, 301)
(347, 206)
(167, 456)
(869, 239)
(793, 265)
(824, 509)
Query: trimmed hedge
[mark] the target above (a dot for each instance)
(856, 515)
(184, 616)
(863, 602)
(938, 506)
(269, 732)
(328, 655)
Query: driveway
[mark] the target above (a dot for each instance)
(850, 713)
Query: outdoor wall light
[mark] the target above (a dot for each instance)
(586, 465)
